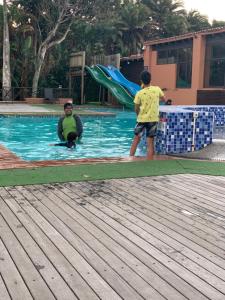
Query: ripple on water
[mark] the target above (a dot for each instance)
(29, 138)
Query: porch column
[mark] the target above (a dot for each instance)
(147, 57)
(198, 62)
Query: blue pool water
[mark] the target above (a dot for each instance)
(29, 137)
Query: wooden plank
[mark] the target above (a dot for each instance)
(178, 202)
(212, 198)
(150, 206)
(31, 276)
(12, 279)
(201, 202)
(216, 180)
(79, 238)
(202, 182)
(167, 203)
(206, 178)
(88, 207)
(102, 289)
(156, 253)
(53, 279)
(196, 197)
(216, 192)
(93, 234)
(137, 236)
(157, 224)
(65, 269)
(95, 217)
(189, 205)
(164, 202)
(3, 291)
(160, 241)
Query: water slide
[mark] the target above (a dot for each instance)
(116, 75)
(118, 91)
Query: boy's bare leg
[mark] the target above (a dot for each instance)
(134, 145)
(150, 147)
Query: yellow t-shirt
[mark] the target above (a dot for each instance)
(148, 99)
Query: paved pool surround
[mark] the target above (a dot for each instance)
(187, 128)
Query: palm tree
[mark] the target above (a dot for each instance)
(196, 21)
(216, 23)
(168, 18)
(132, 20)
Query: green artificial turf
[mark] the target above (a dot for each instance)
(107, 171)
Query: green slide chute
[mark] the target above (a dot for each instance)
(118, 91)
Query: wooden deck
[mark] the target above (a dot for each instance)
(145, 238)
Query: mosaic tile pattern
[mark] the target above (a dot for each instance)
(184, 129)
(203, 130)
(219, 112)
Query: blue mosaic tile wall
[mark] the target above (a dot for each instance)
(181, 130)
(219, 112)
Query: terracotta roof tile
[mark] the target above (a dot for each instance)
(185, 36)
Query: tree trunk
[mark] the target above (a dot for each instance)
(6, 73)
(51, 40)
(38, 66)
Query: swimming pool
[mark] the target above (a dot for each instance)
(29, 137)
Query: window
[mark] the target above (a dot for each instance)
(183, 58)
(172, 56)
(215, 65)
(217, 68)
(182, 55)
(162, 57)
(184, 72)
(218, 51)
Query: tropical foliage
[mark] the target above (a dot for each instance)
(44, 32)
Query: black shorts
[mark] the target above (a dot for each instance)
(150, 128)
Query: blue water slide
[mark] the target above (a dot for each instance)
(116, 75)
(119, 92)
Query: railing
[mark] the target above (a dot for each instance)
(62, 93)
(20, 93)
(105, 60)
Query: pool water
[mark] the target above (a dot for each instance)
(29, 137)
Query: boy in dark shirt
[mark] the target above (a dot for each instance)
(69, 123)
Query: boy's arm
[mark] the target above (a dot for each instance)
(61, 144)
(60, 130)
(79, 126)
(137, 108)
(161, 95)
(58, 144)
(163, 99)
(137, 103)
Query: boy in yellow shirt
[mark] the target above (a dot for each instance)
(147, 109)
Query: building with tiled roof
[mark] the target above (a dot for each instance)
(190, 67)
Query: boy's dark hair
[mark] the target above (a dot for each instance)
(68, 105)
(169, 102)
(71, 136)
(146, 77)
